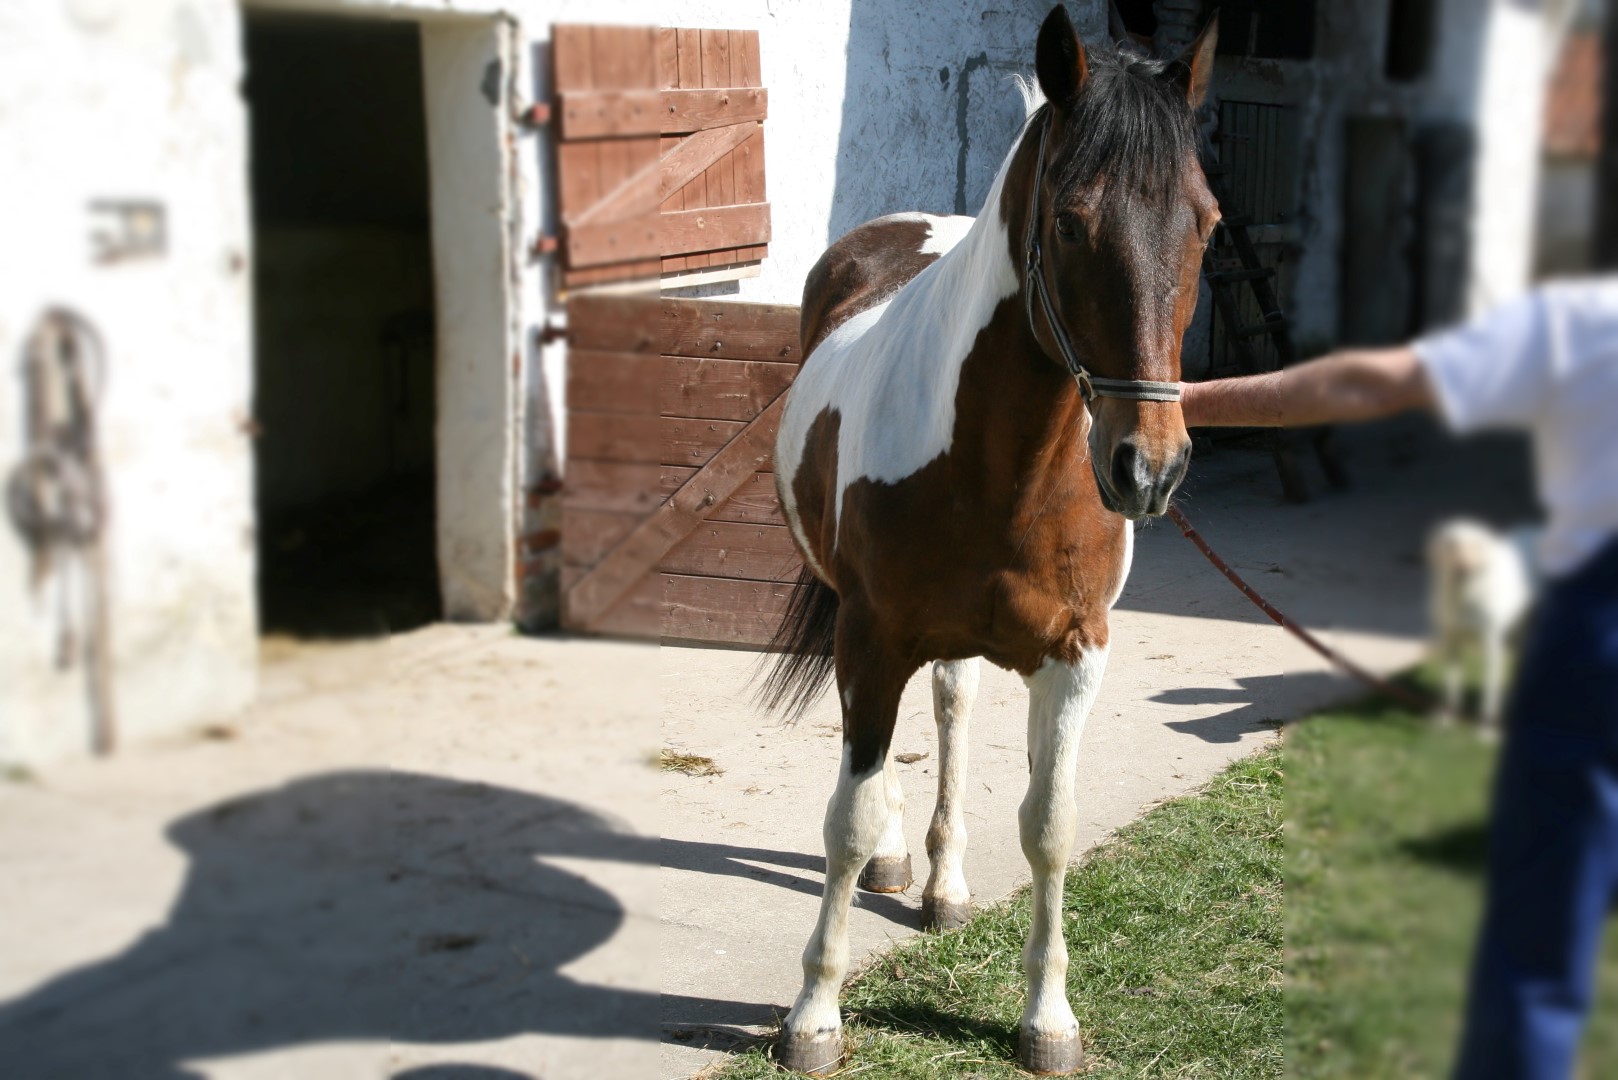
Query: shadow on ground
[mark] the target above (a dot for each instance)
(1462, 849)
(725, 860)
(1258, 701)
(350, 905)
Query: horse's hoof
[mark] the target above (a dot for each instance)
(814, 1052)
(1050, 1055)
(941, 915)
(886, 875)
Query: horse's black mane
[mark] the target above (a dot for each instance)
(1131, 128)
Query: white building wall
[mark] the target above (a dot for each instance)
(100, 100)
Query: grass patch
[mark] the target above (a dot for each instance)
(1174, 943)
(690, 764)
(1385, 849)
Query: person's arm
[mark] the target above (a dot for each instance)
(1357, 384)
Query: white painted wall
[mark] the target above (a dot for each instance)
(108, 100)
(475, 247)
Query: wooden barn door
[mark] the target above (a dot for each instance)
(660, 153)
(671, 527)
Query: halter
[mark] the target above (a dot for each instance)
(1090, 387)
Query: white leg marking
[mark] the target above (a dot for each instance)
(855, 818)
(1059, 702)
(892, 844)
(955, 687)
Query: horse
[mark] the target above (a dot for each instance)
(960, 375)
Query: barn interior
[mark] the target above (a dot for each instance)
(344, 340)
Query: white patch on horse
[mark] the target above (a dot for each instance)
(891, 371)
(955, 687)
(1059, 701)
(943, 233)
(855, 819)
(892, 846)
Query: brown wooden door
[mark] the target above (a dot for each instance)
(660, 151)
(671, 527)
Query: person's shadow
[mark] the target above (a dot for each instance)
(1256, 703)
(352, 905)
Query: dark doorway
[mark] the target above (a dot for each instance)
(1267, 29)
(1377, 232)
(344, 375)
(1411, 26)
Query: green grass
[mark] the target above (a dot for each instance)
(1385, 848)
(1174, 941)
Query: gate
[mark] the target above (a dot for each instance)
(670, 524)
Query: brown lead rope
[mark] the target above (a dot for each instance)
(1408, 698)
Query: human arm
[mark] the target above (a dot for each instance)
(1345, 386)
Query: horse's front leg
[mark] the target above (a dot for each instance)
(856, 817)
(1059, 699)
(946, 902)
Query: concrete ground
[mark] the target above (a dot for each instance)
(436, 856)
(432, 857)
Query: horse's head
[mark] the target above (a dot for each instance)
(1119, 215)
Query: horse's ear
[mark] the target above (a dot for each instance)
(1193, 69)
(1059, 59)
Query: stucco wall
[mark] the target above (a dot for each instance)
(133, 101)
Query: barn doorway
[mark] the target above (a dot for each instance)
(345, 388)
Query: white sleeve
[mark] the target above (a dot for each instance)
(1495, 372)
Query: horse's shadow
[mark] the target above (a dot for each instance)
(725, 860)
(351, 905)
(1260, 702)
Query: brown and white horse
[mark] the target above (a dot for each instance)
(986, 404)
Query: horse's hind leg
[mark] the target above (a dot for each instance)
(889, 869)
(1059, 700)
(946, 902)
(869, 680)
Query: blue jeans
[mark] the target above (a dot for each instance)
(1553, 839)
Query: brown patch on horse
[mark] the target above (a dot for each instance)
(867, 266)
(814, 489)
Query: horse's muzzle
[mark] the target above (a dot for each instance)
(1131, 486)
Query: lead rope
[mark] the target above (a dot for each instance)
(1090, 386)
(1408, 698)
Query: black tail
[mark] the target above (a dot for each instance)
(803, 663)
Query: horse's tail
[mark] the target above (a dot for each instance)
(803, 662)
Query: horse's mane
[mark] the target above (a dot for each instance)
(1131, 128)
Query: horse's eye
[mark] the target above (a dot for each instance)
(1067, 227)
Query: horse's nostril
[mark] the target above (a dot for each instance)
(1181, 466)
(1124, 459)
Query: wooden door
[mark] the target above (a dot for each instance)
(671, 527)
